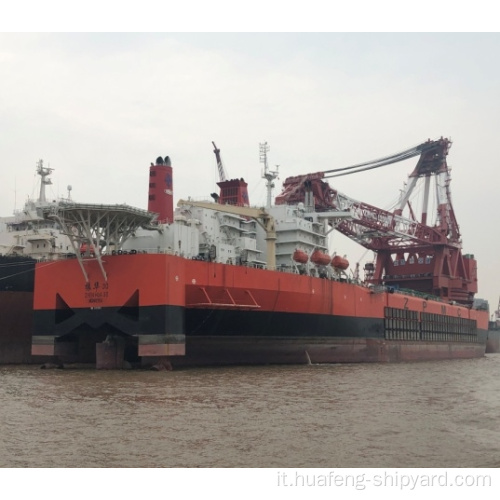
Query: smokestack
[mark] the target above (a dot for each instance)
(161, 194)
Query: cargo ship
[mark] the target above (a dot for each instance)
(25, 239)
(221, 282)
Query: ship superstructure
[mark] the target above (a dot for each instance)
(27, 233)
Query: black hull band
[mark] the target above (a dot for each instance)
(127, 321)
(203, 322)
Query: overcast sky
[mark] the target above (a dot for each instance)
(98, 108)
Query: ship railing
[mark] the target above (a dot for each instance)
(409, 291)
(210, 200)
(416, 293)
(128, 251)
(138, 251)
(169, 251)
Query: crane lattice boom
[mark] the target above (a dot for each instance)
(220, 166)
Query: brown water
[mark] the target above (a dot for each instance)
(432, 414)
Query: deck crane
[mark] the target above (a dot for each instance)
(220, 165)
(409, 253)
(232, 191)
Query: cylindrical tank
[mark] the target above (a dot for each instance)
(86, 249)
(161, 194)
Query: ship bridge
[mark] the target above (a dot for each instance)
(92, 228)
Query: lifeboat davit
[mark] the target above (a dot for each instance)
(320, 258)
(300, 256)
(340, 263)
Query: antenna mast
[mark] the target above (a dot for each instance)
(267, 174)
(44, 173)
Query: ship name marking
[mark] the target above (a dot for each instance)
(96, 291)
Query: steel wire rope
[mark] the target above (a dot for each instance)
(381, 162)
(11, 264)
(26, 271)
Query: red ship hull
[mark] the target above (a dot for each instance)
(189, 312)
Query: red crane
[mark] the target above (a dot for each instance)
(232, 191)
(410, 253)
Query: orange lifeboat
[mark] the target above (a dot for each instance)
(320, 258)
(340, 263)
(300, 256)
(84, 247)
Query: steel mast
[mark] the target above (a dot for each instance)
(267, 174)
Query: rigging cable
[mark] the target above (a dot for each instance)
(381, 162)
